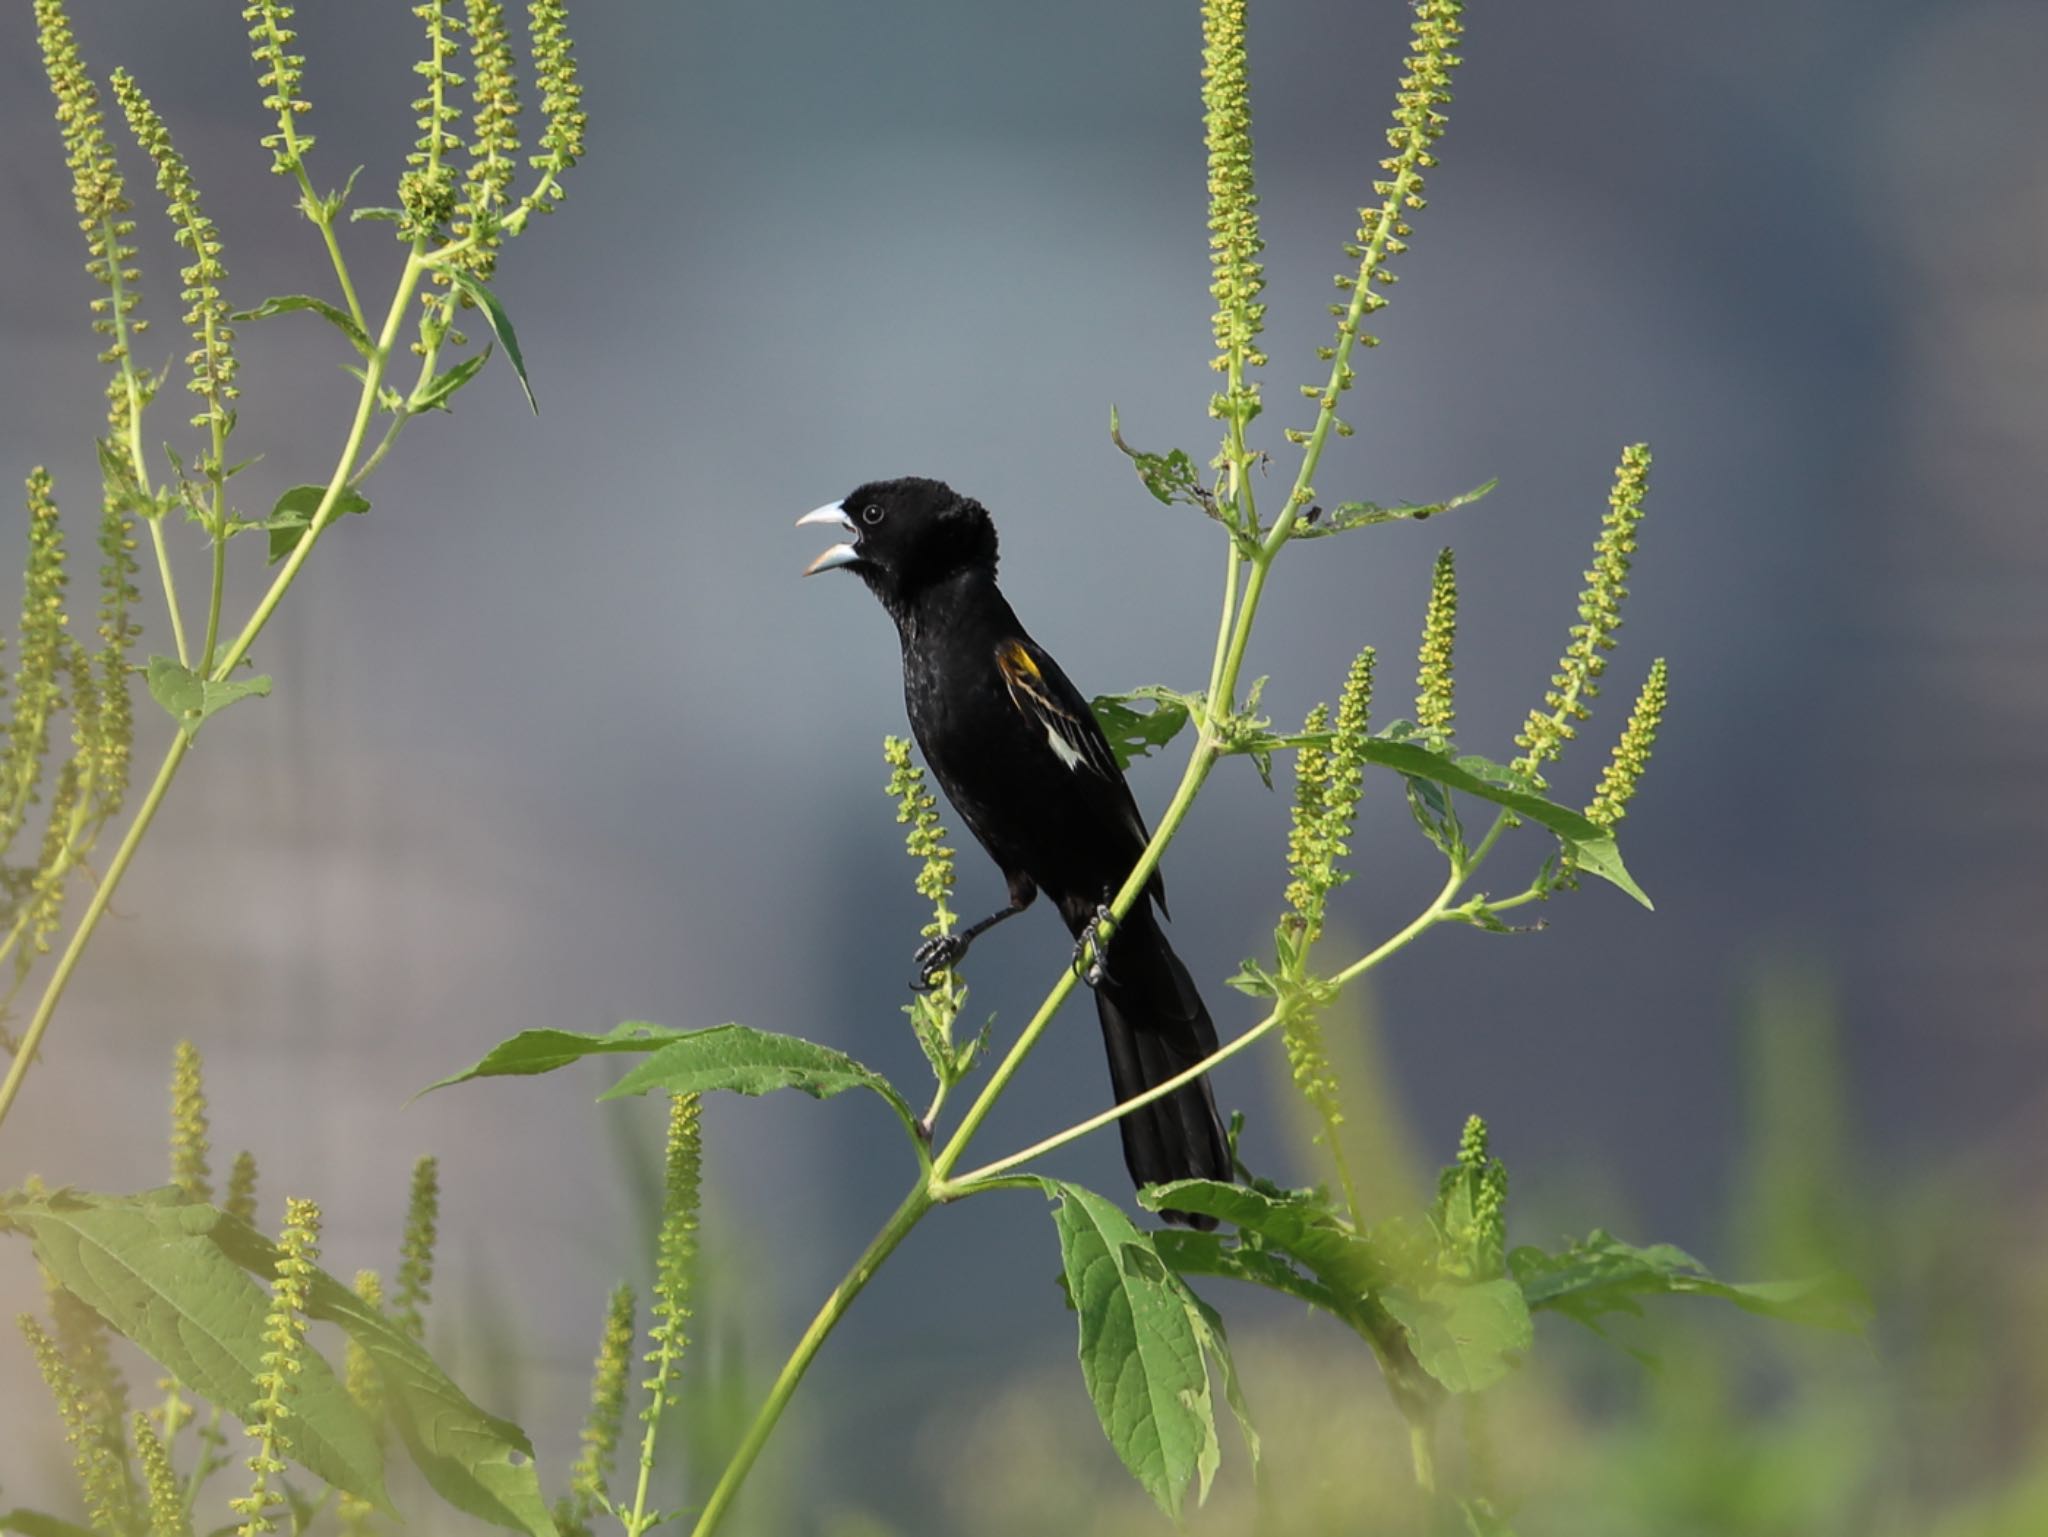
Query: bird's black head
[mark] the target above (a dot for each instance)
(906, 536)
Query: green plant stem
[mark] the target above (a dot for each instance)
(366, 405)
(118, 309)
(318, 210)
(1422, 1449)
(103, 893)
(893, 1232)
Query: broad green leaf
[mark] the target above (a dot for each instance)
(747, 1061)
(294, 512)
(1171, 476)
(1141, 1350)
(1133, 733)
(339, 318)
(151, 1268)
(1297, 1224)
(1208, 1327)
(1349, 515)
(477, 1462)
(500, 323)
(1592, 845)
(433, 395)
(1466, 1334)
(542, 1051)
(189, 698)
(1187, 1253)
(1600, 1274)
(33, 1523)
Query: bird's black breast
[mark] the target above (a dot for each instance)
(1036, 810)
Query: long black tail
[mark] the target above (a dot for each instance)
(1154, 1026)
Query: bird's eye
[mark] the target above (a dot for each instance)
(871, 514)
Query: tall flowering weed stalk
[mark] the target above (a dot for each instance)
(1439, 1299)
(466, 193)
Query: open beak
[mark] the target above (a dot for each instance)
(834, 514)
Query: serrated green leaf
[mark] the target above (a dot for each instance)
(1298, 1224)
(191, 699)
(1189, 1253)
(477, 1462)
(150, 1267)
(500, 324)
(335, 316)
(1171, 477)
(380, 215)
(542, 1051)
(294, 513)
(1349, 515)
(1141, 1348)
(433, 395)
(1466, 1334)
(1593, 846)
(1133, 734)
(741, 1060)
(1600, 1274)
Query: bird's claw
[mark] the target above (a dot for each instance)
(1089, 959)
(938, 954)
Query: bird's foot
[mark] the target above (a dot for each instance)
(1089, 950)
(942, 952)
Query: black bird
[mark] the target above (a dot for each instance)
(1019, 754)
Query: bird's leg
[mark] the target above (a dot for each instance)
(1091, 949)
(942, 952)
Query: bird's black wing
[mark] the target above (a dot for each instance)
(1045, 696)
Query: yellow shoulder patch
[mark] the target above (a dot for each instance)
(1016, 664)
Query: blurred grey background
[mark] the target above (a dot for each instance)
(559, 738)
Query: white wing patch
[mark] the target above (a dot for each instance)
(1066, 736)
(1064, 750)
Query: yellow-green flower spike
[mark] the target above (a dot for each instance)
(1577, 679)
(918, 809)
(117, 632)
(38, 694)
(212, 359)
(359, 1373)
(493, 137)
(1236, 277)
(1305, 854)
(427, 190)
(675, 1269)
(1631, 756)
(284, 1332)
(366, 1388)
(590, 1478)
(190, 1140)
(84, 1341)
(270, 44)
(1435, 689)
(46, 905)
(241, 1196)
(1328, 781)
(416, 1250)
(1347, 749)
(1383, 229)
(561, 101)
(102, 202)
(102, 1477)
(167, 1514)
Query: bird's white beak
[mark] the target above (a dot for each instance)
(833, 513)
